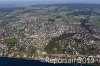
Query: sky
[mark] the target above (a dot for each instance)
(84, 1)
(48, 1)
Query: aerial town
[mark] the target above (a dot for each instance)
(51, 33)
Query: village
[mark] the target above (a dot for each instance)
(52, 39)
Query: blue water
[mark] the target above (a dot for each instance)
(20, 62)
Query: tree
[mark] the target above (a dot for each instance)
(11, 41)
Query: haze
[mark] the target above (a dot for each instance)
(32, 2)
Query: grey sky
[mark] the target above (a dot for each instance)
(82, 1)
(50, 1)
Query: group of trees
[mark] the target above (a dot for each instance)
(11, 41)
(54, 46)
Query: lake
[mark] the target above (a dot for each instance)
(4, 61)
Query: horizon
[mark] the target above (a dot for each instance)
(37, 2)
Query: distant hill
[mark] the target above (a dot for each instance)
(71, 5)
